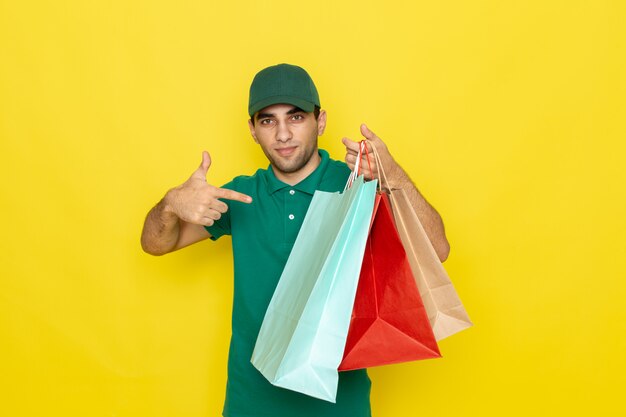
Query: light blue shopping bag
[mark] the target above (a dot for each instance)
(303, 335)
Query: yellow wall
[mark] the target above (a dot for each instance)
(510, 117)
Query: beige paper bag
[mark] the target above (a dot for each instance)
(446, 313)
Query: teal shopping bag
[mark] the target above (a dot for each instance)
(303, 335)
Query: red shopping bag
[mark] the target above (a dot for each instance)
(389, 323)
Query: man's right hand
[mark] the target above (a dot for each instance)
(196, 201)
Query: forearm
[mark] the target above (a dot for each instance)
(428, 216)
(387, 169)
(161, 230)
(179, 219)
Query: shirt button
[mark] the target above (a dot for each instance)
(292, 192)
(291, 217)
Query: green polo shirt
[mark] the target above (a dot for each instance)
(263, 234)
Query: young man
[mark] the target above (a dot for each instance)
(263, 214)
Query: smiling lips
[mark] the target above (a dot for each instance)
(286, 151)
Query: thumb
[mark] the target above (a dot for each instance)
(367, 133)
(204, 166)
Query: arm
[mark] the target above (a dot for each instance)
(178, 220)
(398, 178)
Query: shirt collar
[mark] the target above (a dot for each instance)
(307, 185)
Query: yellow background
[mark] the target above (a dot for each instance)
(509, 116)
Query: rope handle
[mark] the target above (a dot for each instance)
(357, 166)
(383, 182)
(380, 167)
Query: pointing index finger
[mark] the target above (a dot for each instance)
(234, 195)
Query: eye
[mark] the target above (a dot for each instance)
(266, 121)
(297, 117)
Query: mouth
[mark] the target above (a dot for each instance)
(286, 151)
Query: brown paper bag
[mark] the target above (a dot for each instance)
(446, 313)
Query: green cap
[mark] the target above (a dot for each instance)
(282, 83)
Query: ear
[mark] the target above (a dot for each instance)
(252, 132)
(321, 123)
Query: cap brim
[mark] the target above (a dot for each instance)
(307, 106)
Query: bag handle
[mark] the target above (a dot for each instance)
(357, 166)
(381, 169)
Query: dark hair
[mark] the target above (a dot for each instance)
(316, 113)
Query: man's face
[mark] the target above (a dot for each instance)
(288, 137)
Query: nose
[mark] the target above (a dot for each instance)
(283, 133)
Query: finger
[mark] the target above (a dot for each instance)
(213, 214)
(364, 169)
(368, 153)
(233, 195)
(365, 162)
(351, 145)
(219, 206)
(206, 162)
(369, 171)
(206, 221)
(202, 170)
(368, 159)
(350, 159)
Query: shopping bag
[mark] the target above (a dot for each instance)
(389, 323)
(445, 311)
(303, 334)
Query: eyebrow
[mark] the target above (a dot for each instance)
(264, 115)
(292, 111)
(296, 110)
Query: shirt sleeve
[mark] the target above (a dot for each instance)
(221, 226)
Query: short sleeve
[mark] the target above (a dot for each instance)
(221, 226)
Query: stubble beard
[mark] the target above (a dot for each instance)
(294, 165)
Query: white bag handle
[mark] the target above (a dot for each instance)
(357, 166)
